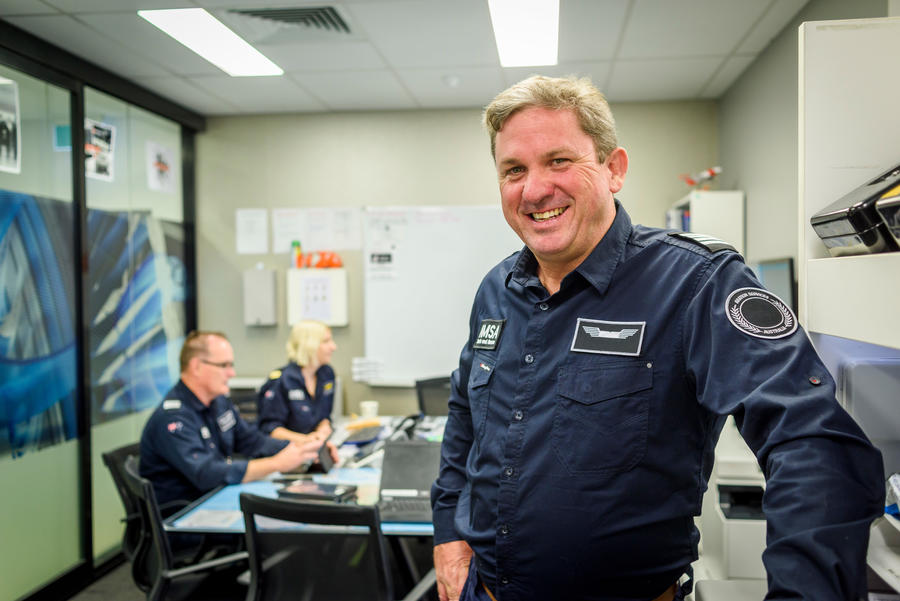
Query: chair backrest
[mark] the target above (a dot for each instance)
(433, 394)
(312, 563)
(157, 556)
(115, 462)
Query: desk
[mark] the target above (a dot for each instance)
(219, 512)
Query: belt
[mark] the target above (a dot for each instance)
(668, 595)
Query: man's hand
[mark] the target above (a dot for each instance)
(295, 454)
(451, 564)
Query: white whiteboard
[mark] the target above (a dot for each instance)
(423, 266)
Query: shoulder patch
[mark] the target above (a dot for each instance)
(171, 404)
(760, 313)
(708, 242)
(274, 374)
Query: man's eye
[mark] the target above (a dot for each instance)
(515, 170)
(559, 161)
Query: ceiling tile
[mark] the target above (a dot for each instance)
(66, 32)
(93, 6)
(261, 94)
(662, 28)
(648, 80)
(322, 56)
(443, 88)
(357, 90)
(776, 18)
(590, 29)
(25, 7)
(186, 93)
(430, 33)
(598, 72)
(149, 42)
(730, 70)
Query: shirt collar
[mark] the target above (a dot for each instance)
(187, 396)
(597, 268)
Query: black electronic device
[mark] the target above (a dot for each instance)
(851, 225)
(324, 461)
(888, 206)
(315, 491)
(363, 436)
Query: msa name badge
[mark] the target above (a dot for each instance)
(296, 394)
(608, 337)
(760, 313)
(226, 421)
(489, 334)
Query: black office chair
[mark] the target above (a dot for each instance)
(433, 394)
(115, 462)
(155, 562)
(292, 562)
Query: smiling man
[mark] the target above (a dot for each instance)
(602, 361)
(189, 442)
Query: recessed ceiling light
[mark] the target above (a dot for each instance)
(526, 31)
(211, 39)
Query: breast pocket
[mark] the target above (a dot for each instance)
(601, 415)
(479, 390)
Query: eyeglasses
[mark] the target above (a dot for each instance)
(220, 364)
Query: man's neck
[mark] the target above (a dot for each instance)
(194, 387)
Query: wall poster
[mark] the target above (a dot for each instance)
(10, 142)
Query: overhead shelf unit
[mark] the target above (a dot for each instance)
(716, 213)
(848, 124)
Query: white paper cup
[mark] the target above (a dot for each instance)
(368, 409)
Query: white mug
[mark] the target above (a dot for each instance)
(368, 409)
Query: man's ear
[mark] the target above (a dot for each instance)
(617, 161)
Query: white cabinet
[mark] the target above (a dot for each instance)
(716, 213)
(848, 126)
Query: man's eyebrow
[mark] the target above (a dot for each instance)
(555, 152)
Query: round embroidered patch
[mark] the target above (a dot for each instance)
(760, 313)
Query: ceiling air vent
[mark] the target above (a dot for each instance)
(320, 17)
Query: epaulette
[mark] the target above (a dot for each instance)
(708, 242)
(274, 374)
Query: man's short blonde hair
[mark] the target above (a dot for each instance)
(578, 95)
(196, 344)
(303, 344)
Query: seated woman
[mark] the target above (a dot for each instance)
(295, 403)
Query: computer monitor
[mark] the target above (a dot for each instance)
(777, 275)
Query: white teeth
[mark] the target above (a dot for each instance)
(547, 214)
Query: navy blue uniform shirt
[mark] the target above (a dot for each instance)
(582, 427)
(187, 449)
(284, 401)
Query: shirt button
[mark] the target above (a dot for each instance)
(504, 529)
(504, 580)
(544, 306)
(508, 472)
(518, 415)
(529, 358)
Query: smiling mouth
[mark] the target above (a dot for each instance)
(545, 215)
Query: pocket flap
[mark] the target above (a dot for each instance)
(600, 384)
(481, 373)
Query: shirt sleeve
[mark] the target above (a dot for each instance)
(184, 448)
(458, 437)
(250, 442)
(326, 400)
(272, 405)
(824, 479)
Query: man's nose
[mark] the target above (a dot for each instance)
(537, 186)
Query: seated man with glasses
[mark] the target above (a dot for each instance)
(189, 442)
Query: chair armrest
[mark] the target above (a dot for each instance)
(423, 586)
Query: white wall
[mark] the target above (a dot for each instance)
(386, 158)
(758, 132)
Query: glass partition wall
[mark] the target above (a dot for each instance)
(96, 272)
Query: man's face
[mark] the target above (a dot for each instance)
(557, 196)
(216, 368)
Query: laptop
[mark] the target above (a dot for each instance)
(408, 469)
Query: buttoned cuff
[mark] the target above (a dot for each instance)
(235, 472)
(444, 529)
